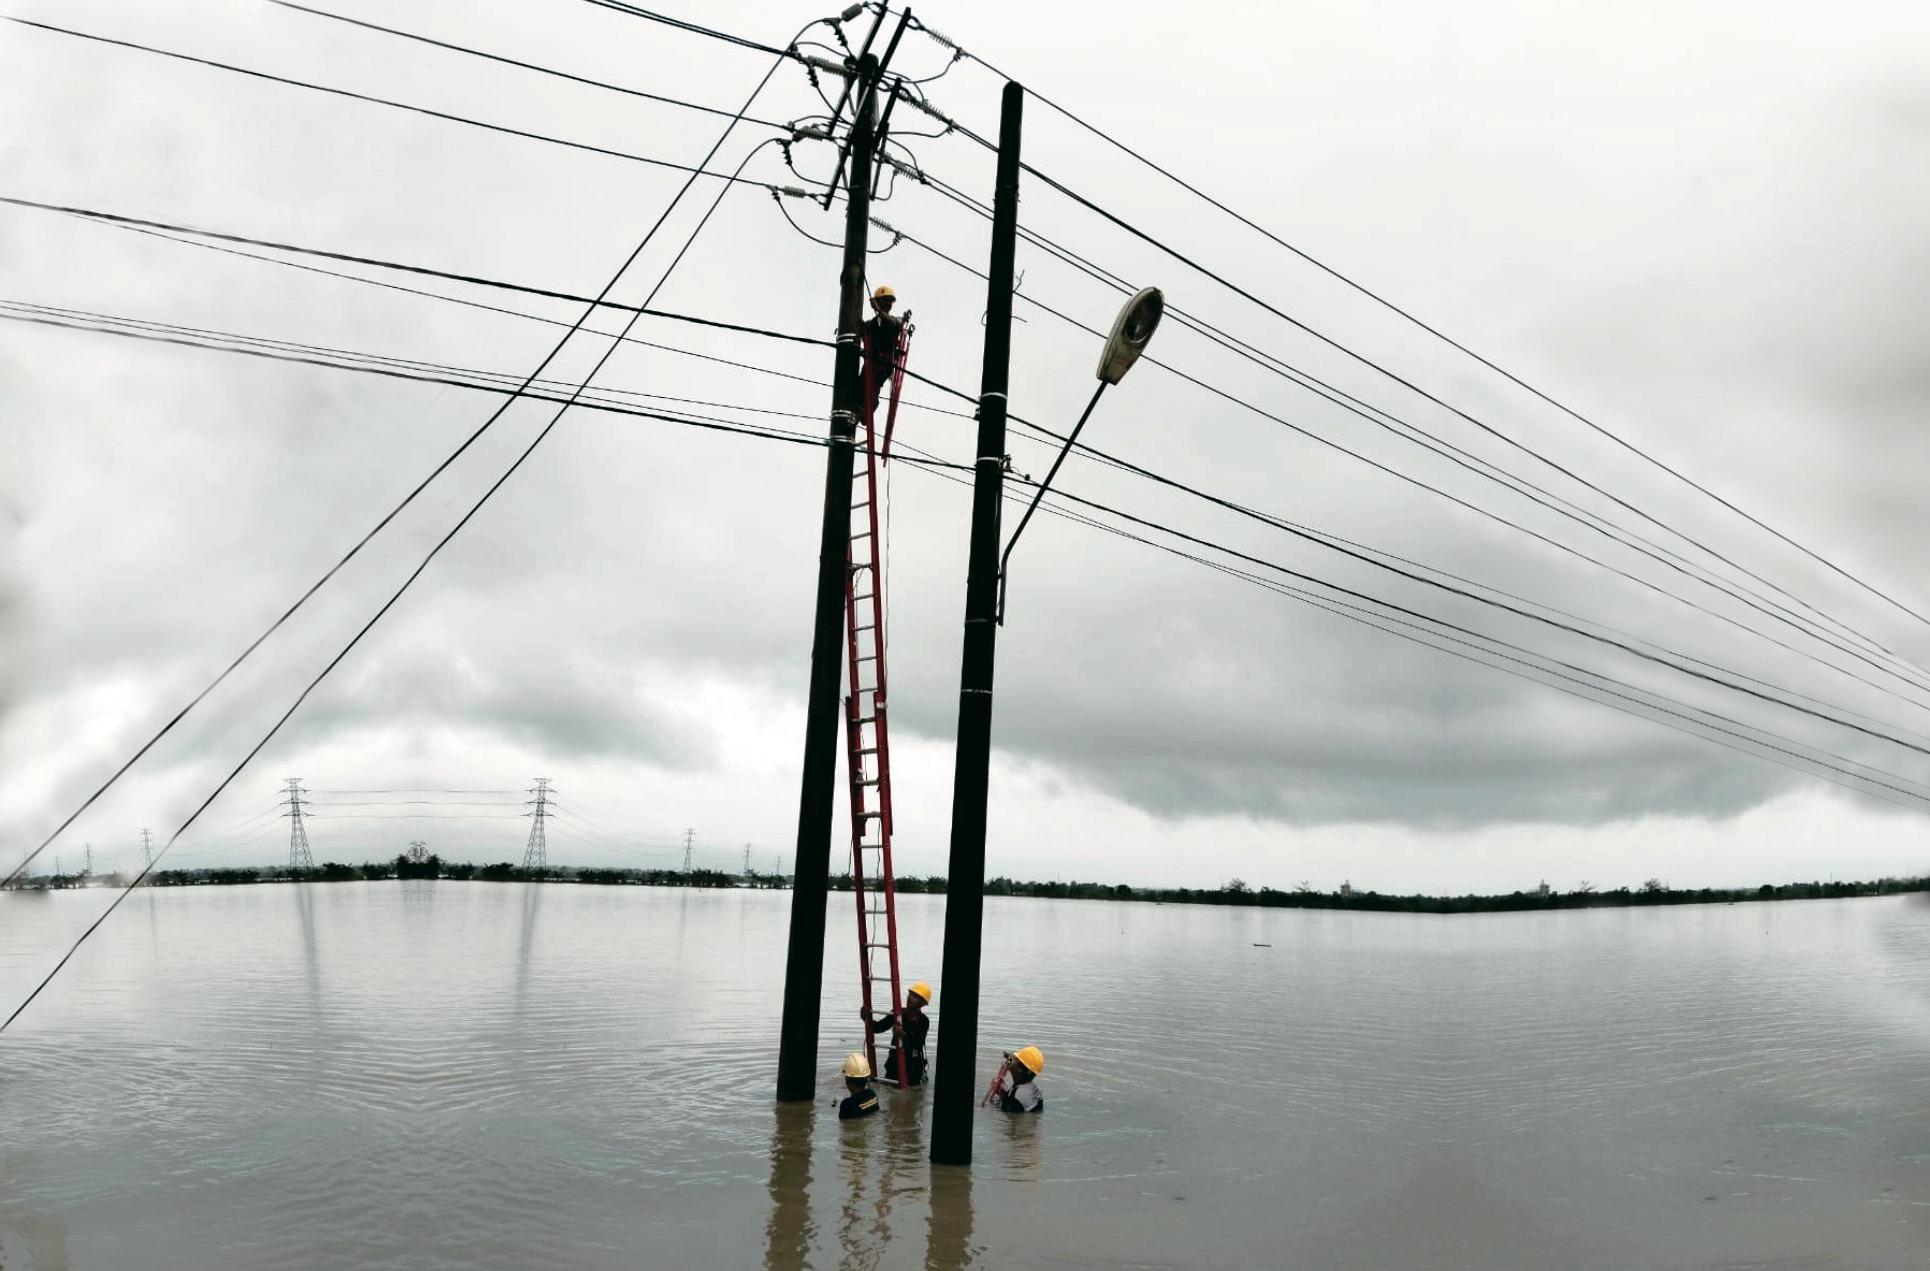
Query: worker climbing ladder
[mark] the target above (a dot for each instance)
(867, 732)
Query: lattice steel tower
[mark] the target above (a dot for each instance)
(537, 854)
(690, 841)
(298, 854)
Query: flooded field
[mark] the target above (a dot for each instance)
(475, 1075)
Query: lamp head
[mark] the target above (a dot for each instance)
(1132, 330)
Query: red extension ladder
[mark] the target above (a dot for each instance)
(868, 748)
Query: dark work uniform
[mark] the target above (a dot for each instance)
(858, 1105)
(1024, 1097)
(916, 1025)
(880, 354)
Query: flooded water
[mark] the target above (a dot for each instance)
(482, 1075)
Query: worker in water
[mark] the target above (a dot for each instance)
(908, 1043)
(880, 344)
(1018, 1081)
(862, 1100)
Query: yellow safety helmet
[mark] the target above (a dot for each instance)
(856, 1065)
(884, 293)
(1032, 1057)
(923, 990)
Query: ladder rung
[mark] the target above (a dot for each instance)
(867, 657)
(869, 626)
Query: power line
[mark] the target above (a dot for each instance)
(601, 301)
(1433, 331)
(433, 552)
(528, 66)
(384, 101)
(1413, 387)
(1333, 543)
(1415, 481)
(166, 231)
(1512, 482)
(1637, 695)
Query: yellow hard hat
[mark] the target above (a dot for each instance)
(1032, 1057)
(856, 1065)
(884, 293)
(923, 990)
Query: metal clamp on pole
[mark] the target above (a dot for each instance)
(1132, 330)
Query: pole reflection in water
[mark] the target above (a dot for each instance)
(311, 955)
(788, 1230)
(859, 1245)
(948, 1239)
(532, 906)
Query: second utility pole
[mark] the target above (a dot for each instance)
(797, 1053)
(954, 1083)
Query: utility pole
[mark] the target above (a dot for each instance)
(298, 854)
(690, 841)
(954, 1093)
(536, 853)
(147, 849)
(797, 1055)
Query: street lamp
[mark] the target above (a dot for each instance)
(954, 1086)
(1132, 330)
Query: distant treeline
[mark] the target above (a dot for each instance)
(461, 871)
(1652, 892)
(1235, 892)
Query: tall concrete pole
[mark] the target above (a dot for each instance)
(797, 1054)
(955, 1082)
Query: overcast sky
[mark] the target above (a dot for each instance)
(1701, 225)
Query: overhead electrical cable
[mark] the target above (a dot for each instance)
(1182, 258)
(528, 66)
(600, 301)
(397, 105)
(1638, 695)
(1431, 330)
(702, 423)
(433, 551)
(1310, 534)
(1424, 485)
(167, 231)
(1461, 457)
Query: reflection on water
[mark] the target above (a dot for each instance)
(948, 1237)
(500, 1076)
(789, 1232)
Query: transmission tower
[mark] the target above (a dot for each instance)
(418, 852)
(147, 849)
(537, 854)
(87, 870)
(747, 860)
(298, 854)
(690, 839)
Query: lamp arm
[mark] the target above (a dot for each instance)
(1040, 494)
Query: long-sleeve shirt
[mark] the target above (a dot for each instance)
(917, 1025)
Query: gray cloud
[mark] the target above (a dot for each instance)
(1725, 267)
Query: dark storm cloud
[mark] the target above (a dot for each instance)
(1728, 273)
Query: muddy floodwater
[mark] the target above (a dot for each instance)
(448, 1074)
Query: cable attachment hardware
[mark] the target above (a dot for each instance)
(809, 132)
(788, 192)
(919, 103)
(937, 38)
(911, 170)
(829, 67)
